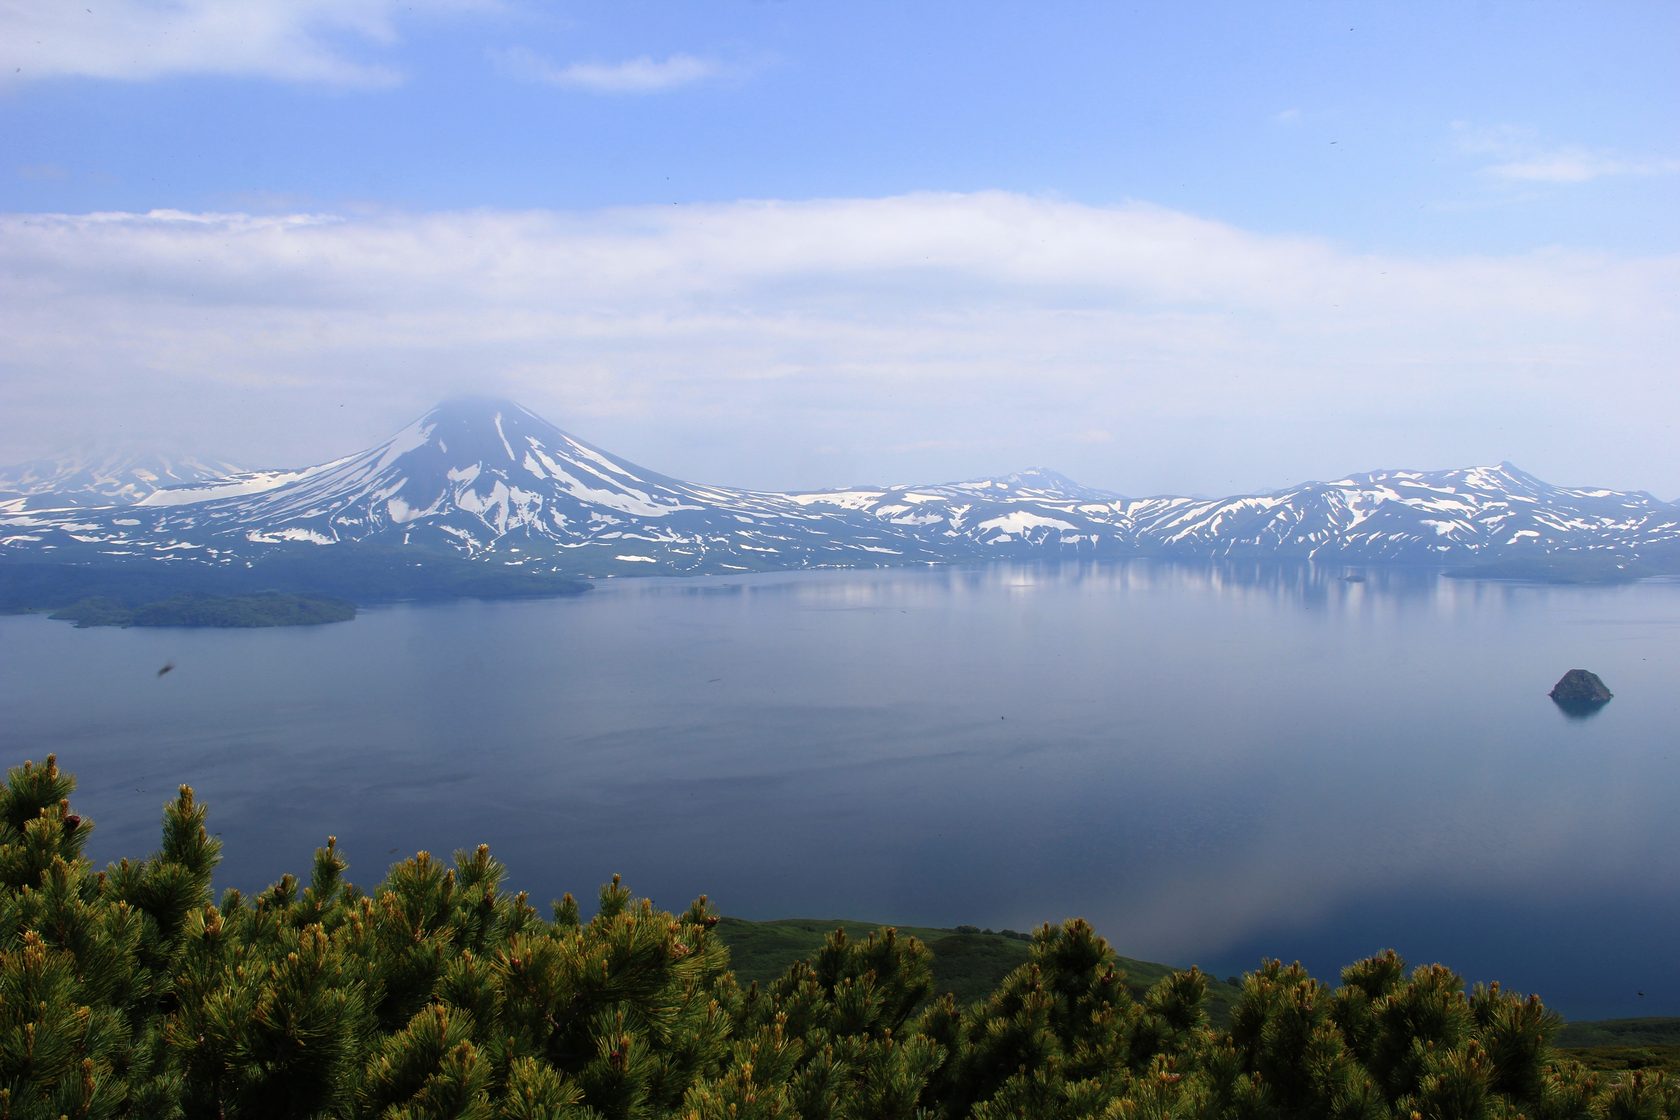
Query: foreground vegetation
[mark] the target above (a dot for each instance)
(970, 963)
(128, 993)
(966, 962)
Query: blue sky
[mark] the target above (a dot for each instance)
(1198, 247)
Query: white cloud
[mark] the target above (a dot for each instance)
(637, 75)
(1575, 165)
(316, 41)
(1521, 155)
(913, 337)
(1504, 141)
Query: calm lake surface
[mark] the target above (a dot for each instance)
(1211, 764)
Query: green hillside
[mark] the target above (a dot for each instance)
(969, 963)
(1624, 1044)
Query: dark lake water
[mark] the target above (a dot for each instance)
(1213, 765)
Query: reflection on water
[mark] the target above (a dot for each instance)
(1213, 762)
(1579, 709)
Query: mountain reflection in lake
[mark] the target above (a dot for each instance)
(1213, 763)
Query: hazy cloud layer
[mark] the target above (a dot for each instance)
(292, 40)
(637, 75)
(1520, 155)
(919, 337)
(1578, 165)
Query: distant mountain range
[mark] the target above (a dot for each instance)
(100, 480)
(487, 481)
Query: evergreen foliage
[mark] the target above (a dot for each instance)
(968, 962)
(128, 992)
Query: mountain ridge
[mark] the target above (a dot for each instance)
(102, 479)
(486, 480)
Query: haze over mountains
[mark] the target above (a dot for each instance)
(489, 481)
(110, 478)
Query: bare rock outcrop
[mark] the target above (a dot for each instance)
(1580, 689)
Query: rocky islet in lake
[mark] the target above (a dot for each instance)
(1580, 690)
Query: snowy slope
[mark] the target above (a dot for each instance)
(1439, 516)
(1031, 511)
(100, 480)
(1451, 515)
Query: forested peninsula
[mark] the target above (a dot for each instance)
(269, 608)
(288, 589)
(130, 992)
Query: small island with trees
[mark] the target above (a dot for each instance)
(267, 608)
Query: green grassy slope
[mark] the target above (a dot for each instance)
(967, 963)
(1622, 1032)
(1618, 1044)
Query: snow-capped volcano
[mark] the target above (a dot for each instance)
(490, 481)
